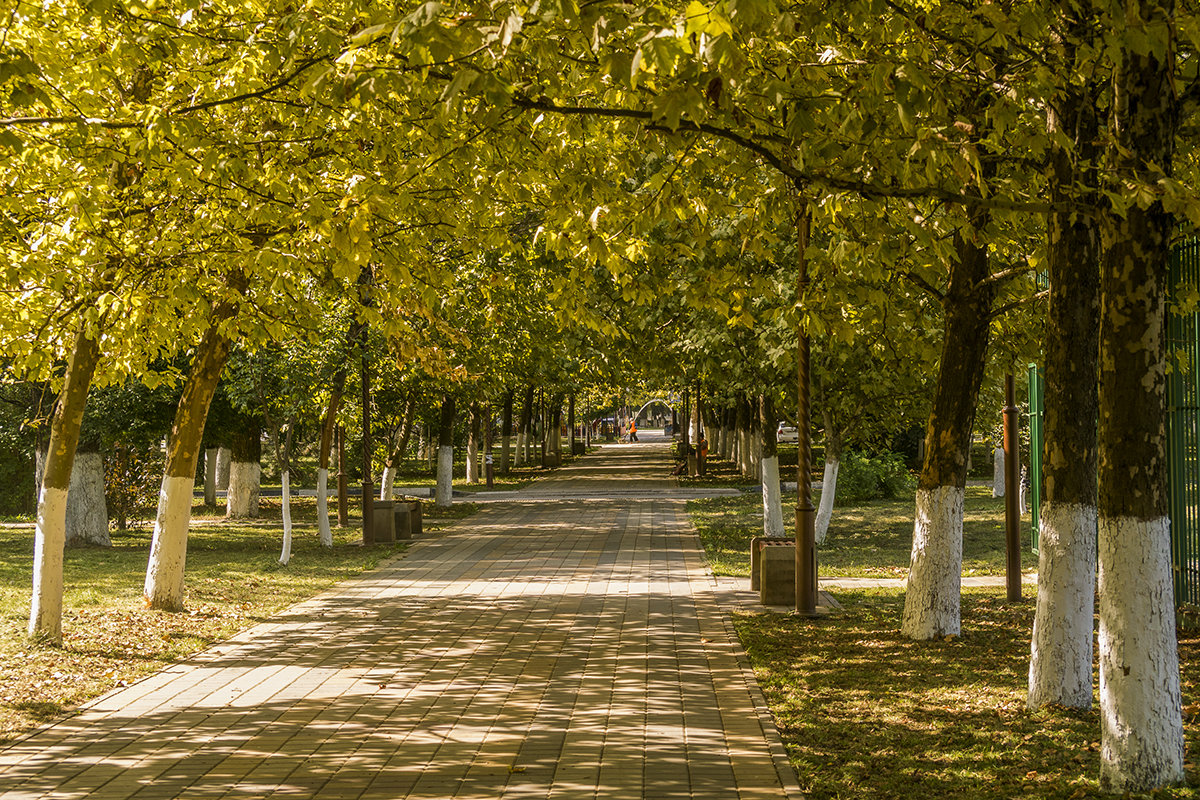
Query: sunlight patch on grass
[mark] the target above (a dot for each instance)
(872, 539)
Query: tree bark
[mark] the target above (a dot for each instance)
(87, 510)
(555, 438)
(286, 493)
(210, 476)
(571, 422)
(506, 433)
(223, 458)
(772, 494)
(245, 471)
(445, 467)
(833, 462)
(1140, 704)
(1060, 666)
(168, 549)
(523, 434)
(388, 482)
(45, 612)
(473, 432)
(932, 602)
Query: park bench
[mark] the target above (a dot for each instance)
(397, 520)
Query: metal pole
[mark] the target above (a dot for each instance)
(806, 548)
(1012, 508)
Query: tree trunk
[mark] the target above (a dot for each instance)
(833, 461)
(473, 432)
(328, 434)
(556, 429)
(523, 435)
(1140, 705)
(445, 468)
(210, 476)
(343, 493)
(998, 472)
(286, 493)
(45, 612)
(285, 469)
(87, 511)
(756, 444)
(1060, 666)
(932, 602)
(506, 432)
(772, 494)
(223, 458)
(387, 483)
(245, 471)
(571, 422)
(168, 549)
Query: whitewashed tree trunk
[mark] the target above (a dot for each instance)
(743, 450)
(168, 549)
(224, 459)
(1060, 670)
(286, 493)
(49, 537)
(772, 498)
(445, 477)
(1142, 724)
(522, 454)
(45, 615)
(998, 472)
(387, 484)
(931, 607)
(325, 530)
(87, 511)
(473, 470)
(828, 495)
(241, 500)
(210, 476)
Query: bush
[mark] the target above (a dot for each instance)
(880, 477)
(132, 478)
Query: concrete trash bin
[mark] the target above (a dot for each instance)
(384, 520)
(777, 573)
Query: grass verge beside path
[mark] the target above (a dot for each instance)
(866, 713)
(233, 581)
(872, 539)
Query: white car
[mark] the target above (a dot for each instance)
(787, 434)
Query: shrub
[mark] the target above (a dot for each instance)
(879, 477)
(132, 478)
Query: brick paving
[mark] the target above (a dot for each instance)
(544, 648)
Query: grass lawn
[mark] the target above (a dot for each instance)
(866, 713)
(233, 581)
(872, 539)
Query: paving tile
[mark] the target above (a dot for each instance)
(567, 643)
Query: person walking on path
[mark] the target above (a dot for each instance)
(633, 430)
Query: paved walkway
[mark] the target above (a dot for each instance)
(545, 648)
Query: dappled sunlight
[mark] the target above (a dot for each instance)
(565, 647)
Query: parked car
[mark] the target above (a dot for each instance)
(787, 434)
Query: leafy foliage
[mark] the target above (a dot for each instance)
(883, 476)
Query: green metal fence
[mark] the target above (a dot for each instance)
(1183, 426)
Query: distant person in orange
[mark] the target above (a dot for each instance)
(702, 452)
(633, 430)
